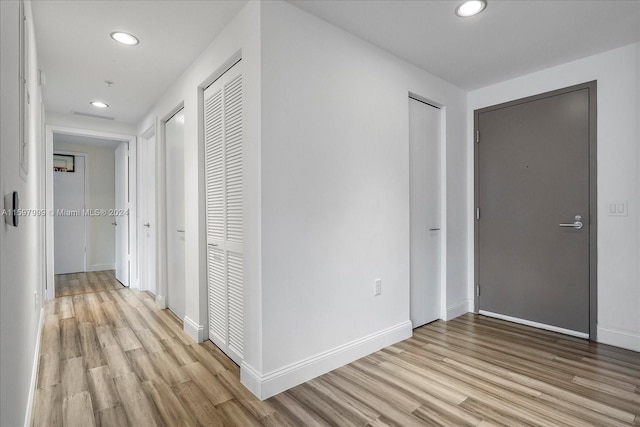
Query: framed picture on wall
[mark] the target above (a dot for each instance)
(64, 163)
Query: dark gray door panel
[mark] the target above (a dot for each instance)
(533, 173)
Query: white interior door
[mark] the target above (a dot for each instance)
(147, 200)
(224, 188)
(424, 149)
(69, 222)
(121, 222)
(174, 143)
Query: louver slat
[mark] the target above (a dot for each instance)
(233, 158)
(214, 166)
(217, 293)
(235, 301)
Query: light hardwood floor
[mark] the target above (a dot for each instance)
(82, 283)
(112, 358)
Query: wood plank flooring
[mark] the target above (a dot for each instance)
(111, 358)
(82, 283)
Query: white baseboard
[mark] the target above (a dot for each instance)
(457, 309)
(195, 331)
(102, 267)
(619, 338)
(161, 302)
(535, 324)
(272, 383)
(34, 373)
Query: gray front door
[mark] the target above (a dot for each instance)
(534, 171)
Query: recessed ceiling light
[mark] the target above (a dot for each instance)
(125, 38)
(99, 104)
(470, 8)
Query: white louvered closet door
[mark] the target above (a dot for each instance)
(224, 180)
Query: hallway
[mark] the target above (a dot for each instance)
(109, 356)
(112, 358)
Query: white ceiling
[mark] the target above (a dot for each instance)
(508, 39)
(77, 54)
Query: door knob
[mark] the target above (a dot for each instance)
(577, 224)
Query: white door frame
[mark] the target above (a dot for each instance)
(123, 201)
(145, 137)
(50, 130)
(161, 207)
(87, 234)
(442, 145)
(162, 203)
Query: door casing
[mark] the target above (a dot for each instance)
(593, 211)
(175, 214)
(122, 223)
(147, 212)
(49, 132)
(426, 225)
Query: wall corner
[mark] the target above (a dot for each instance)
(194, 330)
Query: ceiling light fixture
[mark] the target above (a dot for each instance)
(471, 8)
(99, 104)
(125, 38)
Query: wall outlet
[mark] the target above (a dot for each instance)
(377, 290)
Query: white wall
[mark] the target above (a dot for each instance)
(618, 76)
(89, 123)
(241, 34)
(22, 256)
(335, 195)
(101, 178)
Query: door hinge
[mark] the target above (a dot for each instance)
(477, 213)
(477, 136)
(478, 290)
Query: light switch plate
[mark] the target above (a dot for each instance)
(618, 208)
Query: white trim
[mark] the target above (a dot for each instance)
(535, 324)
(50, 130)
(279, 380)
(132, 205)
(34, 372)
(150, 212)
(250, 378)
(161, 302)
(457, 309)
(619, 338)
(444, 231)
(195, 331)
(101, 267)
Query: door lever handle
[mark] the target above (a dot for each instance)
(577, 224)
(147, 225)
(114, 223)
(180, 231)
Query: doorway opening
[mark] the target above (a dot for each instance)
(427, 292)
(536, 211)
(83, 183)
